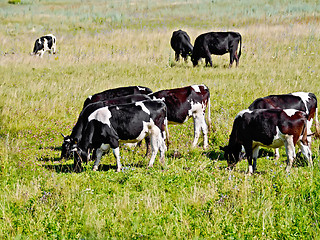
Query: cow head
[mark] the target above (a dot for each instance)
(66, 147)
(195, 59)
(231, 154)
(79, 156)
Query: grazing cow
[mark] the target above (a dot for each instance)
(116, 92)
(126, 123)
(217, 43)
(76, 134)
(269, 128)
(183, 103)
(43, 44)
(303, 101)
(180, 43)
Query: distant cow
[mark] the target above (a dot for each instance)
(183, 103)
(116, 92)
(110, 125)
(303, 101)
(180, 43)
(217, 43)
(44, 44)
(76, 134)
(269, 128)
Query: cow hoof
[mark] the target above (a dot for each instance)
(95, 168)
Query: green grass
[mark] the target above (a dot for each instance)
(104, 45)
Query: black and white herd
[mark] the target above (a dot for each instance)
(131, 114)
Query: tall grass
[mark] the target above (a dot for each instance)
(119, 43)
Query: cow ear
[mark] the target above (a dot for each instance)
(63, 135)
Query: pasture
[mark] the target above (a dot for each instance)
(108, 44)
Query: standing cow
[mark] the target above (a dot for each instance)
(110, 125)
(180, 43)
(76, 134)
(269, 128)
(44, 44)
(116, 92)
(303, 101)
(183, 103)
(217, 43)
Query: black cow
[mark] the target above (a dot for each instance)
(43, 44)
(180, 43)
(269, 128)
(303, 101)
(217, 43)
(183, 103)
(76, 134)
(109, 125)
(116, 92)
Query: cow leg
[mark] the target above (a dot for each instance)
(41, 52)
(309, 132)
(290, 150)
(162, 148)
(156, 143)
(276, 154)
(116, 153)
(234, 55)
(99, 152)
(255, 154)
(208, 60)
(196, 129)
(54, 49)
(306, 152)
(199, 123)
(248, 149)
(177, 56)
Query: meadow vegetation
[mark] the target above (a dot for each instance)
(108, 44)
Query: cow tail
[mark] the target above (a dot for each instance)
(239, 54)
(316, 122)
(305, 134)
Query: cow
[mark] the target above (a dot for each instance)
(76, 134)
(217, 43)
(180, 43)
(116, 92)
(183, 103)
(303, 101)
(107, 126)
(269, 128)
(44, 44)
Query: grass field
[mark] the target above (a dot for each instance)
(108, 44)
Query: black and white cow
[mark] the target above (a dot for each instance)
(107, 126)
(183, 103)
(303, 101)
(76, 134)
(180, 43)
(44, 44)
(116, 92)
(269, 128)
(217, 43)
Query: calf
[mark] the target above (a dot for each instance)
(44, 44)
(217, 43)
(116, 92)
(126, 123)
(303, 101)
(183, 103)
(269, 128)
(180, 43)
(76, 134)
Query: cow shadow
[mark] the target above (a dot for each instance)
(59, 168)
